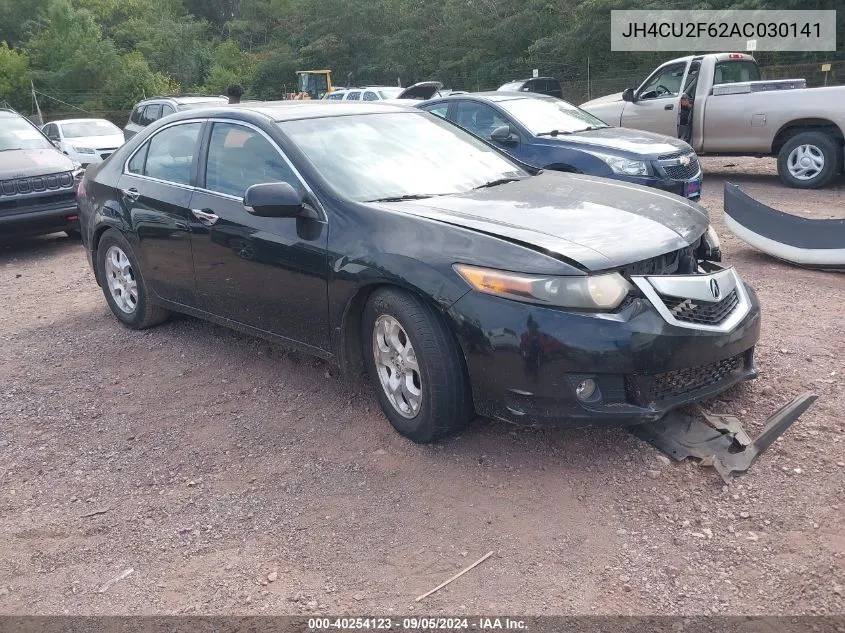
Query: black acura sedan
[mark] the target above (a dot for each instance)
(394, 243)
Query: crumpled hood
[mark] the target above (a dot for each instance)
(20, 163)
(616, 96)
(597, 222)
(626, 140)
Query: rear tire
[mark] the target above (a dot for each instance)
(123, 284)
(809, 160)
(415, 365)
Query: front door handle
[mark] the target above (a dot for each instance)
(132, 194)
(671, 106)
(205, 216)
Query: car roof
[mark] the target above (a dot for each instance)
(184, 99)
(78, 120)
(496, 96)
(306, 109)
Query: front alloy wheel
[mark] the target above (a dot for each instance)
(396, 363)
(414, 360)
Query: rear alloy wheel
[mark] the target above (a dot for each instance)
(123, 285)
(808, 160)
(416, 365)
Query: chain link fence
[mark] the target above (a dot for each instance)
(579, 84)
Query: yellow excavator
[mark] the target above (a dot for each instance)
(312, 84)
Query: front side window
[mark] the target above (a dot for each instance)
(336, 96)
(370, 96)
(395, 154)
(171, 153)
(135, 117)
(166, 109)
(666, 82)
(478, 118)
(353, 96)
(239, 157)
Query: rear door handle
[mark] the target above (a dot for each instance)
(205, 216)
(132, 194)
(671, 106)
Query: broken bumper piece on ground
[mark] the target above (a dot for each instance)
(723, 443)
(791, 238)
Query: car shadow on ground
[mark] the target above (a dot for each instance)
(28, 246)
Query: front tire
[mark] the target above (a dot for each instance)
(416, 366)
(809, 160)
(123, 284)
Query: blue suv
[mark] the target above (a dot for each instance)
(552, 134)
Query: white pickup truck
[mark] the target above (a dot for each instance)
(718, 104)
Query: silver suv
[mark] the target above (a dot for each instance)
(152, 109)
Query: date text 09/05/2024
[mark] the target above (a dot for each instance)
(417, 623)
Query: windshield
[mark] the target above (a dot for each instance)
(514, 86)
(389, 93)
(547, 115)
(89, 128)
(397, 154)
(18, 133)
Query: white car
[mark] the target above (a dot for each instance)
(86, 141)
(369, 93)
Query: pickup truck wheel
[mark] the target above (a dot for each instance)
(808, 160)
(123, 285)
(415, 365)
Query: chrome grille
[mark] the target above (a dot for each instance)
(701, 312)
(683, 172)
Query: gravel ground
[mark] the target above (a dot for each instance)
(232, 476)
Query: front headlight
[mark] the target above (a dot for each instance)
(623, 166)
(83, 150)
(713, 238)
(589, 292)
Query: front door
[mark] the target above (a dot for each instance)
(657, 102)
(156, 189)
(266, 273)
(481, 119)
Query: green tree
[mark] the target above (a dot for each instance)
(14, 76)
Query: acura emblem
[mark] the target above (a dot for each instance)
(685, 163)
(714, 289)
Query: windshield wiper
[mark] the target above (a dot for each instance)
(553, 133)
(410, 196)
(10, 149)
(496, 183)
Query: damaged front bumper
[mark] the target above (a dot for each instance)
(723, 443)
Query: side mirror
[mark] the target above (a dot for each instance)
(628, 95)
(503, 134)
(273, 200)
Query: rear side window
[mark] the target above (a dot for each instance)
(136, 163)
(439, 110)
(170, 155)
(353, 96)
(151, 113)
(735, 72)
(166, 109)
(370, 96)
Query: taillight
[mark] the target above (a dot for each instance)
(736, 56)
(80, 190)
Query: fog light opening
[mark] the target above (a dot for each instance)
(586, 389)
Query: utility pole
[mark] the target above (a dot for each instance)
(588, 79)
(35, 100)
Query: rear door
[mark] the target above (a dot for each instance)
(658, 101)
(155, 189)
(266, 273)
